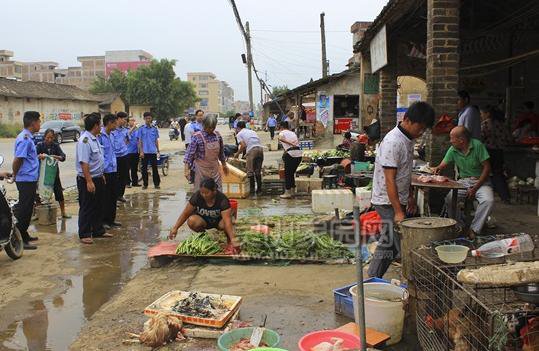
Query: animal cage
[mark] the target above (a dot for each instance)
(463, 317)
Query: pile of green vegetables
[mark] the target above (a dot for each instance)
(292, 244)
(273, 221)
(199, 244)
(315, 155)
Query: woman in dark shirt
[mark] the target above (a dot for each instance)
(49, 147)
(208, 208)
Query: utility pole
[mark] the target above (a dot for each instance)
(323, 37)
(249, 65)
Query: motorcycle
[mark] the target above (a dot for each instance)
(173, 134)
(10, 236)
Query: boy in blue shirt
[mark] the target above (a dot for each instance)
(26, 174)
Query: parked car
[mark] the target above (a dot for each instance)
(63, 130)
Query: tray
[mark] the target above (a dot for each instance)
(164, 304)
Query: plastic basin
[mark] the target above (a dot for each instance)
(226, 340)
(452, 253)
(307, 342)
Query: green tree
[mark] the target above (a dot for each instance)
(116, 83)
(279, 90)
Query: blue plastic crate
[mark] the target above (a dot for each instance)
(343, 299)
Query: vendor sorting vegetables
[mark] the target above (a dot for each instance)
(208, 208)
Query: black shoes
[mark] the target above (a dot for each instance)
(33, 238)
(136, 185)
(157, 187)
(28, 246)
(144, 187)
(122, 199)
(116, 224)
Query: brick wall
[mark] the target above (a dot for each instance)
(388, 98)
(442, 65)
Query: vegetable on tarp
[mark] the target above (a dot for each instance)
(199, 244)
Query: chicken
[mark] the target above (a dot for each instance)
(456, 326)
(326, 346)
(160, 329)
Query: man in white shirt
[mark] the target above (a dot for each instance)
(469, 116)
(391, 195)
(250, 142)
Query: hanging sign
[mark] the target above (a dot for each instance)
(378, 50)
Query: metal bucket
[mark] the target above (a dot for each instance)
(416, 232)
(46, 214)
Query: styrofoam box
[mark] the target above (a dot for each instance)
(328, 200)
(363, 198)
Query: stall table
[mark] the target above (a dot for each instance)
(452, 185)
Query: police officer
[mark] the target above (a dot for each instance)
(121, 140)
(26, 173)
(110, 169)
(90, 181)
(133, 151)
(149, 150)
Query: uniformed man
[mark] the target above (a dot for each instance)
(110, 169)
(133, 151)
(90, 181)
(149, 150)
(26, 174)
(121, 140)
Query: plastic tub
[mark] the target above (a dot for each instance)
(310, 340)
(384, 308)
(452, 253)
(226, 340)
(46, 214)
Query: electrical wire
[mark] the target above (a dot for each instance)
(297, 31)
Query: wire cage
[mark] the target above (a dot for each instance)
(454, 316)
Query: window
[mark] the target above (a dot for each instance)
(203, 85)
(203, 77)
(194, 79)
(203, 102)
(203, 93)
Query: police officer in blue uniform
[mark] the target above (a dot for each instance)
(121, 140)
(26, 174)
(133, 151)
(90, 181)
(149, 150)
(110, 169)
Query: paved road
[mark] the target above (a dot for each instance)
(67, 168)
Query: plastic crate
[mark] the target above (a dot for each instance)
(306, 144)
(273, 187)
(343, 299)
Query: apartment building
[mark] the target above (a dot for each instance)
(215, 96)
(9, 68)
(39, 71)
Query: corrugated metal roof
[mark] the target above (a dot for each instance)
(13, 88)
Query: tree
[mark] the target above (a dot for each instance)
(279, 90)
(116, 83)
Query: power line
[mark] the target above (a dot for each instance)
(297, 31)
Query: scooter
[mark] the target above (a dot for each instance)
(173, 134)
(10, 236)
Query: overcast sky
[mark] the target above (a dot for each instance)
(201, 35)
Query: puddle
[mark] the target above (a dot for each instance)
(55, 321)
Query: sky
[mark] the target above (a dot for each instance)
(201, 35)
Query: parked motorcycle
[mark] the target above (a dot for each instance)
(10, 237)
(173, 134)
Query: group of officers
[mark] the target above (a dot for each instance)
(107, 159)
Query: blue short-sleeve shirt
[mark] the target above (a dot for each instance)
(109, 156)
(149, 136)
(25, 149)
(89, 151)
(120, 139)
(132, 147)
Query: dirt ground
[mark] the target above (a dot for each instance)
(65, 295)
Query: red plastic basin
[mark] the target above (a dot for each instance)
(312, 339)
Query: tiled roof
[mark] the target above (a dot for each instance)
(13, 88)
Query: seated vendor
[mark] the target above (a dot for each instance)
(473, 165)
(346, 143)
(208, 208)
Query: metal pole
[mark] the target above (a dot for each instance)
(323, 38)
(360, 294)
(249, 65)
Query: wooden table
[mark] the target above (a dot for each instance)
(449, 185)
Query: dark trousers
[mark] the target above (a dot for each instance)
(272, 132)
(499, 182)
(122, 174)
(25, 207)
(91, 208)
(110, 198)
(290, 166)
(133, 167)
(388, 247)
(152, 159)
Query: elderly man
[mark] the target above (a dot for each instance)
(473, 166)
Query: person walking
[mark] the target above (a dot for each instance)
(49, 147)
(205, 152)
(291, 158)
(26, 174)
(133, 152)
(120, 135)
(149, 151)
(495, 136)
(90, 181)
(271, 124)
(182, 122)
(392, 179)
(468, 115)
(110, 170)
(250, 143)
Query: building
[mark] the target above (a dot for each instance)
(215, 96)
(110, 103)
(125, 60)
(52, 101)
(241, 107)
(40, 71)
(9, 68)
(137, 112)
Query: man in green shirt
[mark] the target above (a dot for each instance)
(473, 167)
